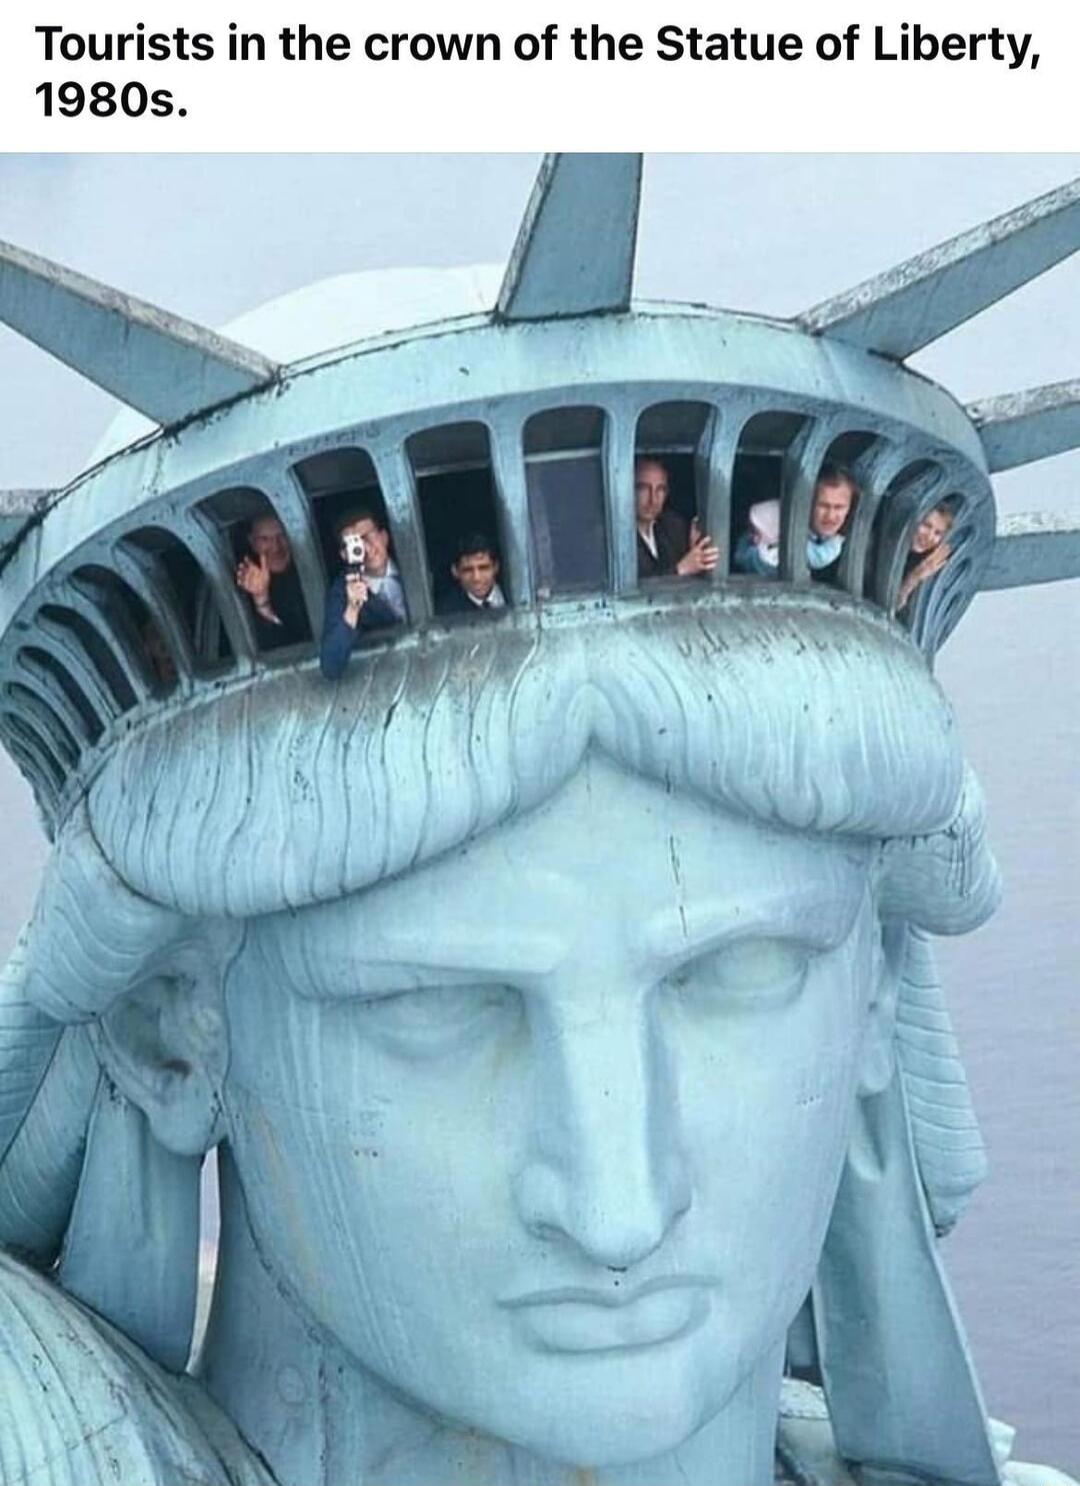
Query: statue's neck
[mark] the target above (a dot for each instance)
(319, 1419)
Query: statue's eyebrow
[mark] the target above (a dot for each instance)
(428, 954)
(808, 913)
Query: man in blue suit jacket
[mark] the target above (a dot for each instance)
(353, 606)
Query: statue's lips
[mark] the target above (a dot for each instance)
(576, 1319)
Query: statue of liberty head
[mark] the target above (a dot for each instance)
(555, 989)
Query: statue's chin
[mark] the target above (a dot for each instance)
(604, 1444)
(597, 1421)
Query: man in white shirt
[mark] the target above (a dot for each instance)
(476, 577)
(380, 570)
(366, 595)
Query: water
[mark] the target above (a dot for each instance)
(1015, 1260)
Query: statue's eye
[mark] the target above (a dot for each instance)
(748, 972)
(436, 1019)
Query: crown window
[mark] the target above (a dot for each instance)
(264, 566)
(42, 663)
(455, 491)
(136, 632)
(336, 482)
(35, 748)
(34, 706)
(758, 472)
(97, 651)
(181, 582)
(934, 537)
(670, 437)
(564, 478)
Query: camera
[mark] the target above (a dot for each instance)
(355, 555)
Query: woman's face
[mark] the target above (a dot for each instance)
(930, 532)
(546, 1134)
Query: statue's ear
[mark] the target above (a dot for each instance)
(165, 1046)
(878, 1058)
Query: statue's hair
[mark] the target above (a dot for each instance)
(292, 792)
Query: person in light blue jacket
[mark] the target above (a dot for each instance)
(758, 549)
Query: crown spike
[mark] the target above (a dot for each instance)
(1037, 547)
(1021, 427)
(904, 309)
(163, 366)
(16, 509)
(575, 248)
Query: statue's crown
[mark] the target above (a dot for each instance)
(520, 414)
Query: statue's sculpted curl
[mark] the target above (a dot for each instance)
(540, 988)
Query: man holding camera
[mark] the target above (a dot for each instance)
(366, 594)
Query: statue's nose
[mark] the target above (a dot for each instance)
(606, 1167)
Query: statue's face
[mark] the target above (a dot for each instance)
(546, 1134)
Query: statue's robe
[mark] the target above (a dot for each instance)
(80, 1404)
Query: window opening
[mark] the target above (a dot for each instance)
(265, 568)
(36, 748)
(757, 487)
(129, 618)
(336, 482)
(932, 549)
(832, 509)
(667, 500)
(456, 496)
(564, 476)
(69, 686)
(24, 696)
(98, 652)
(193, 597)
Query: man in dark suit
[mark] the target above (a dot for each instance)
(475, 571)
(666, 546)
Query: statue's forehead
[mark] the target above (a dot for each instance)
(610, 858)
